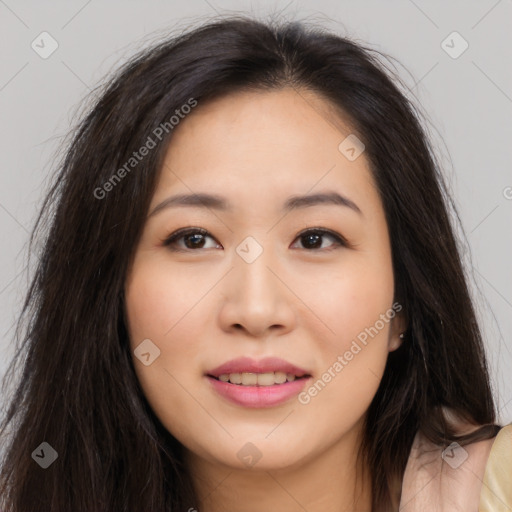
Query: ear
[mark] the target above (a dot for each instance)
(398, 327)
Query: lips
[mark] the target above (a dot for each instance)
(265, 383)
(266, 365)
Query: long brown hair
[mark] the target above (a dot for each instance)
(77, 388)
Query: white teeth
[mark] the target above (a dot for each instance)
(249, 379)
(266, 379)
(279, 377)
(260, 379)
(235, 378)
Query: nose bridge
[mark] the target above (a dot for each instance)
(252, 262)
(255, 298)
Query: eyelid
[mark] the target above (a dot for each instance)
(339, 238)
(179, 233)
(340, 241)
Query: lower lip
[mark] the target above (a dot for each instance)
(258, 396)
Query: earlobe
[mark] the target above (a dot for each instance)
(398, 332)
(396, 341)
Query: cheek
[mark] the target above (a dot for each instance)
(173, 303)
(347, 300)
(355, 307)
(159, 308)
(353, 356)
(157, 300)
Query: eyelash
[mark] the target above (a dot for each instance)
(171, 240)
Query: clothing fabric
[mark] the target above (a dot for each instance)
(473, 478)
(496, 495)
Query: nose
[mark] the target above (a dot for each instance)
(257, 299)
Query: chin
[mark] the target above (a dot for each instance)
(256, 455)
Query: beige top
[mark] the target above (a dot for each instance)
(473, 478)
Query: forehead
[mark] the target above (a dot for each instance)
(261, 145)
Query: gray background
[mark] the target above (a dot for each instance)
(468, 101)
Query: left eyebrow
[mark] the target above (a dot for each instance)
(216, 202)
(332, 198)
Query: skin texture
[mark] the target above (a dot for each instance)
(204, 306)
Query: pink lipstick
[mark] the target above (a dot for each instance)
(258, 384)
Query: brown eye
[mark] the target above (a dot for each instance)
(194, 238)
(313, 239)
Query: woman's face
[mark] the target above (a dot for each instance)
(251, 287)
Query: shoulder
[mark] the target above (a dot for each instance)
(497, 479)
(447, 478)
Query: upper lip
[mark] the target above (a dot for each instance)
(265, 365)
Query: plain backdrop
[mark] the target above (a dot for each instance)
(466, 96)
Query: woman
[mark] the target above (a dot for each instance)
(250, 296)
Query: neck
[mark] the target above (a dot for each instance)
(331, 481)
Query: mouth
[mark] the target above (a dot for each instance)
(258, 390)
(257, 384)
(258, 379)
